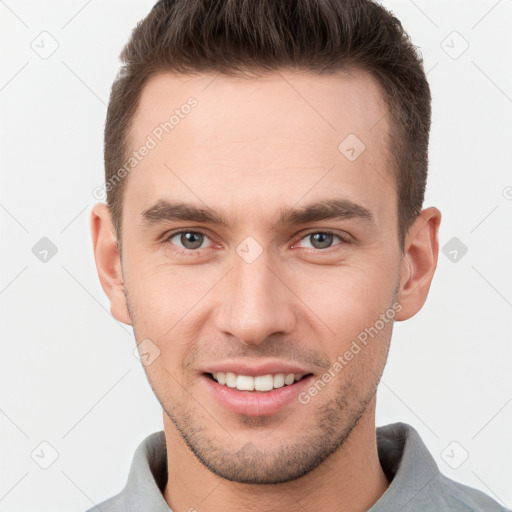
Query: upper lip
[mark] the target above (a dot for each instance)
(254, 369)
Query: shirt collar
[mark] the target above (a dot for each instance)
(407, 462)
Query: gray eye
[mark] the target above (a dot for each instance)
(321, 240)
(190, 239)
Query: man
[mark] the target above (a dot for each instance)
(266, 165)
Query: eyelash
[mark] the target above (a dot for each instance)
(167, 237)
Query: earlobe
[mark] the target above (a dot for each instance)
(108, 261)
(419, 262)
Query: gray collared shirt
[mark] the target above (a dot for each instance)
(416, 482)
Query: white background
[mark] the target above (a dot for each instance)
(68, 374)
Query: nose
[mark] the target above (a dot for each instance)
(255, 301)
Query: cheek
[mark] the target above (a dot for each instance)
(162, 298)
(159, 288)
(347, 299)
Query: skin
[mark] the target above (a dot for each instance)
(251, 147)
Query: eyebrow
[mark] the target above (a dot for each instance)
(330, 209)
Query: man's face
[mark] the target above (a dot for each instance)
(255, 290)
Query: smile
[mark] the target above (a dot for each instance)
(259, 383)
(253, 396)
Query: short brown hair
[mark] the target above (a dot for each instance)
(234, 36)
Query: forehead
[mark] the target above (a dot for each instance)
(287, 133)
(276, 104)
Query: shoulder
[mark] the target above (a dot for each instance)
(450, 495)
(146, 480)
(416, 483)
(114, 504)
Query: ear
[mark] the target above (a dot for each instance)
(108, 261)
(419, 262)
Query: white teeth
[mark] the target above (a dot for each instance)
(230, 380)
(263, 382)
(279, 380)
(245, 383)
(259, 383)
(289, 379)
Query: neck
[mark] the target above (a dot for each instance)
(350, 479)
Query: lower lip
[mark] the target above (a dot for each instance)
(256, 403)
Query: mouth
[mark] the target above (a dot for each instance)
(261, 395)
(260, 383)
